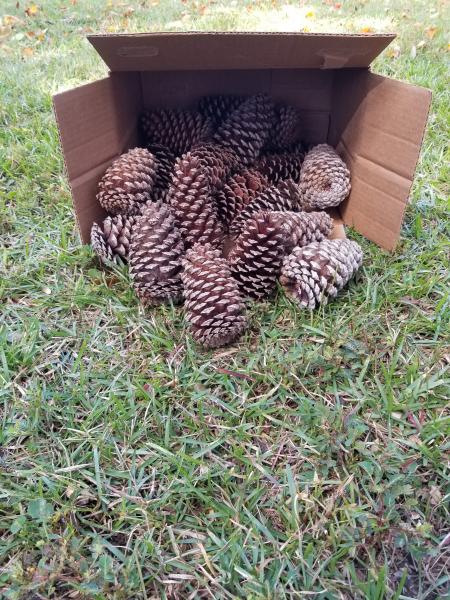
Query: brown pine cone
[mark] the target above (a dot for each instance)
(214, 308)
(302, 228)
(218, 108)
(279, 198)
(237, 192)
(164, 170)
(156, 251)
(312, 274)
(258, 254)
(324, 179)
(281, 166)
(247, 128)
(191, 200)
(286, 129)
(178, 130)
(216, 161)
(111, 240)
(128, 182)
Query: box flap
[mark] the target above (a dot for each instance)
(96, 122)
(378, 125)
(201, 51)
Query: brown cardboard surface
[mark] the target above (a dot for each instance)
(242, 50)
(378, 124)
(96, 122)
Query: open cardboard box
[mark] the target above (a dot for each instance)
(376, 123)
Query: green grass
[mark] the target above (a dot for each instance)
(309, 460)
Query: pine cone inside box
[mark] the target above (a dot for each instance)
(222, 205)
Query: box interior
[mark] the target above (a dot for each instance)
(375, 122)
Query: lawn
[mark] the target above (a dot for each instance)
(309, 460)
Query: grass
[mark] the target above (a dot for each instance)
(309, 460)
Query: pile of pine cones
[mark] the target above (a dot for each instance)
(220, 204)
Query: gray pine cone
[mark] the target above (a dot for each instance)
(312, 274)
(324, 179)
(155, 256)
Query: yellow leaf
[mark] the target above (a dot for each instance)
(32, 10)
(430, 32)
(27, 52)
(393, 51)
(448, 46)
(311, 14)
(10, 20)
(367, 29)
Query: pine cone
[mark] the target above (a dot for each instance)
(216, 161)
(247, 128)
(283, 197)
(218, 108)
(257, 257)
(111, 240)
(312, 274)
(191, 200)
(237, 192)
(303, 228)
(279, 167)
(164, 170)
(214, 308)
(324, 179)
(128, 182)
(155, 256)
(286, 128)
(178, 130)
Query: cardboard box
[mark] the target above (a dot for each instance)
(376, 123)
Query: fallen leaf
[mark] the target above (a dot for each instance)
(128, 12)
(430, 32)
(367, 29)
(32, 10)
(393, 51)
(10, 20)
(311, 14)
(435, 495)
(337, 5)
(27, 52)
(421, 44)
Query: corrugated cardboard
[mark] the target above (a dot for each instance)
(376, 123)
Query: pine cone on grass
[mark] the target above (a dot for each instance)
(302, 228)
(283, 197)
(214, 308)
(111, 240)
(191, 200)
(280, 167)
(247, 128)
(218, 108)
(324, 179)
(155, 256)
(128, 182)
(257, 256)
(286, 128)
(178, 130)
(315, 272)
(237, 192)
